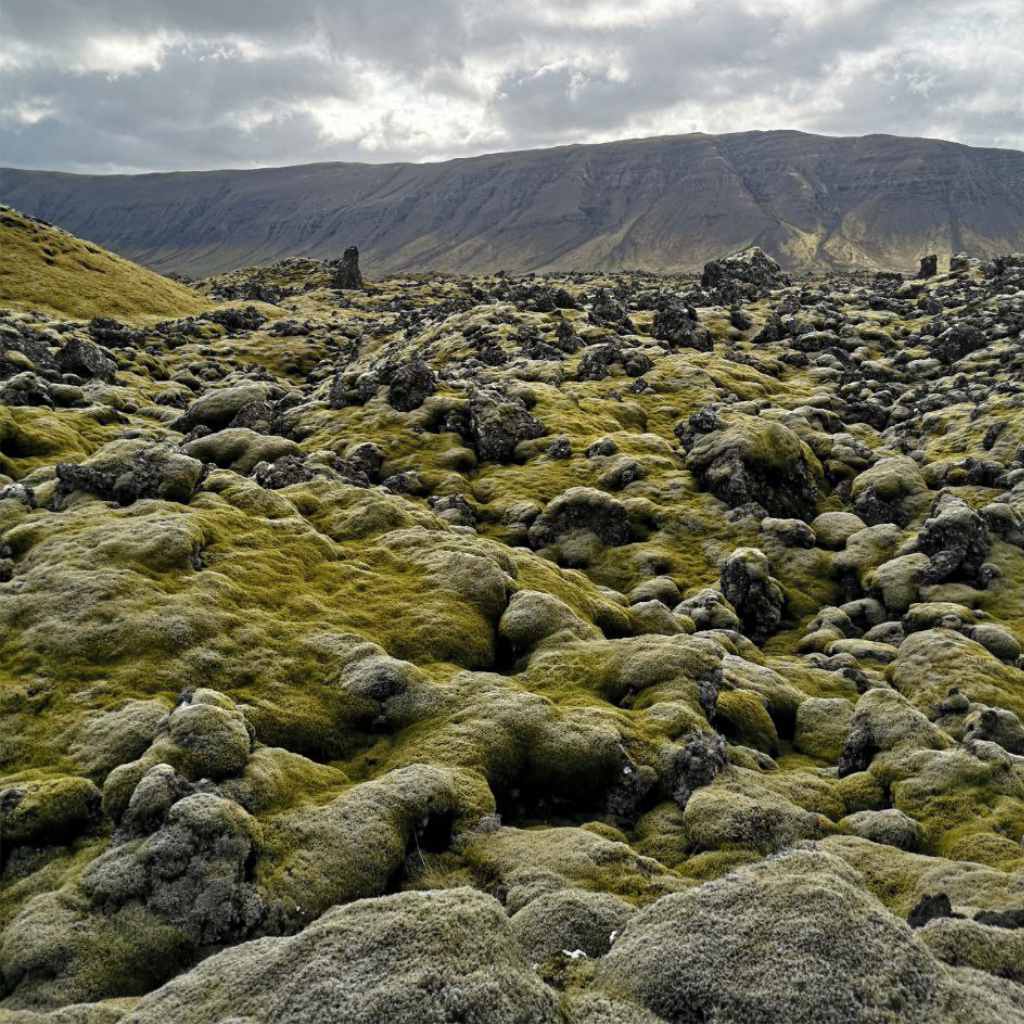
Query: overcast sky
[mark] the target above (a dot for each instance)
(105, 85)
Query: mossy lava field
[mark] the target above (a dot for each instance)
(560, 649)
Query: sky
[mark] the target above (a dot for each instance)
(154, 85)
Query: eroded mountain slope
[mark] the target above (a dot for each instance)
(811, 201)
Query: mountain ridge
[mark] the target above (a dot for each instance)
(662, 203)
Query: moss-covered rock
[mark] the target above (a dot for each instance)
(890, 827)
(959, 943)
(752, 460)
(353, 846)
(932, 659)
(533, 617)
(125, 471)
(569, 857)
(741, 715)
(891, 491)
(240, 449)
(568, 921)
(406, 958)
(47, 810)
(833, 529)
(140, 911)
(737, 811)
(883, 720)
(803, 912)
(110, 738)
(219, 406)
(581, 510)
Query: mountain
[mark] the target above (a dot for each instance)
(662, 204)
(43, 267)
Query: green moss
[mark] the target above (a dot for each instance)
(861, 791)
(706, 867)
(47, 810)
(741, 716)
(928, 660)
(31, 438)
(739, 811)
(69, 957)
(42, 267)
(48, 871)
(582, 859)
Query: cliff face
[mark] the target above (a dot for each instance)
(664, 203)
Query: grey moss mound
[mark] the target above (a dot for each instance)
(793, 939)
(415, 958)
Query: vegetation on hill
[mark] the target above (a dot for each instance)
(43, 267)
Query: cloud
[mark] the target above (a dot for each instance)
(168, 84)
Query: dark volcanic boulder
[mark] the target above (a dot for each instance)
(114, 334)
(889, 492)
(498, 422)
(348, 389)
(248, 318)
(772, 331)
(582, 508)
(747, 584)
(695, 764)
(597, 361)
(956, 342)
(750, 266)
(955, 537)
(283, 473)
(677, 325)
(607, 311)
(23, 350)
(26, 389)
(760, 461)
(86, 359)
(411, 384)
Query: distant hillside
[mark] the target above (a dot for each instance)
(45, 268)
(662, 204)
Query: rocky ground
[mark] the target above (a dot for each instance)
(582, 649)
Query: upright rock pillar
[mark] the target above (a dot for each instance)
(347, 274)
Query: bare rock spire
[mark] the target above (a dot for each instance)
(346, 273)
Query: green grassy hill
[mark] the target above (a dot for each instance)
(43, 267)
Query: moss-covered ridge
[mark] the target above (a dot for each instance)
(43, 267)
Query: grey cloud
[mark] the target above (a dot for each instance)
(241, 83)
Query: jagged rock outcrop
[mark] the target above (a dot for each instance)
(347, 274)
